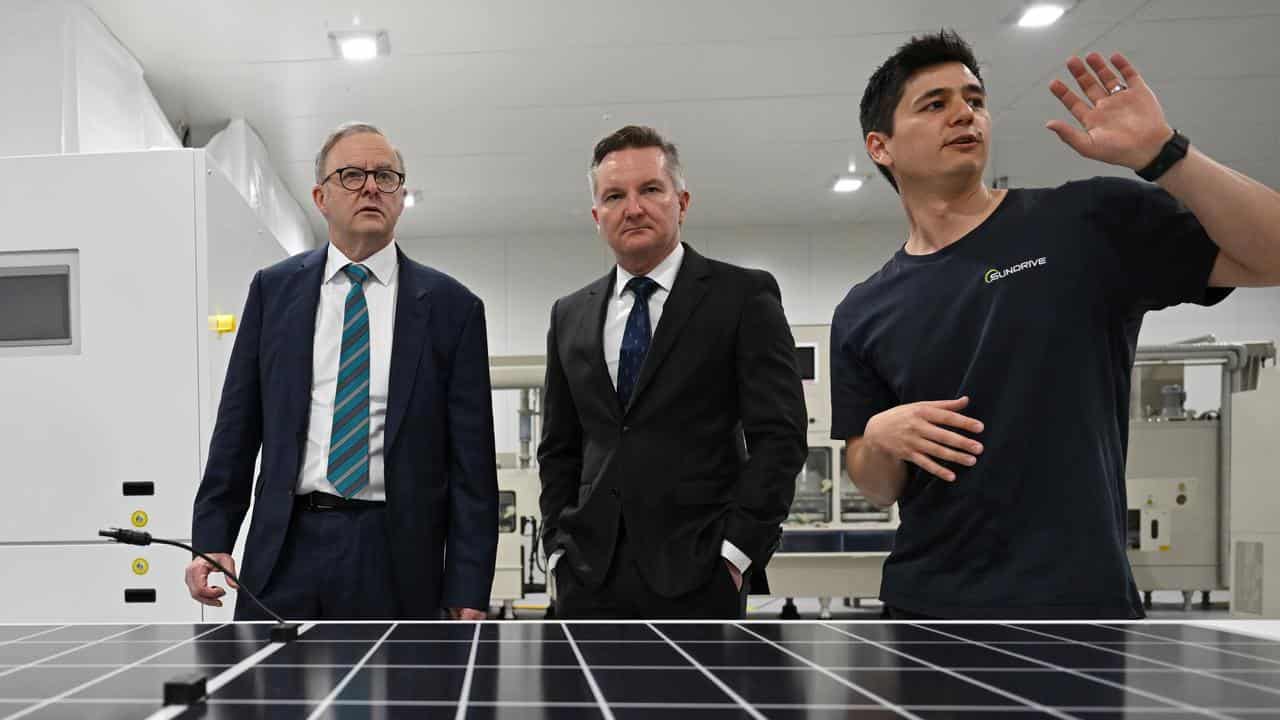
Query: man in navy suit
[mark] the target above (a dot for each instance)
(364, 379)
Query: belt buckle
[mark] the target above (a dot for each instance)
(315, 506)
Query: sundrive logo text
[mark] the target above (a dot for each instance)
(994, 274)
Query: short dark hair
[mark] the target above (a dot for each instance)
(884, 89)
(636, 136)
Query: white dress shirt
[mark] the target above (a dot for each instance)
(380, 296)
(622, 300)
(615, 324)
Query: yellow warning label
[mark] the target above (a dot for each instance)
(140, 566)
(139, 518)
(222, 324)
(1164, 548)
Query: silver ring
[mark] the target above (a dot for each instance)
(1118, 88)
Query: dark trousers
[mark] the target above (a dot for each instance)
(335, 565)
(626, 595)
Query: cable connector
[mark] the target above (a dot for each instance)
(128, 537)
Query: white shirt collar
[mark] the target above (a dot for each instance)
(381, 264)
(664, 274)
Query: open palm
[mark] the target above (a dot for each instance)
(1121, 120)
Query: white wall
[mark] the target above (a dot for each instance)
(32, 64)
(520, 277)
(242, 157)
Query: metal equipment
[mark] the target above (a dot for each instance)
(521, 567)
(1255, 497)
(835, 541)
(1179, 465)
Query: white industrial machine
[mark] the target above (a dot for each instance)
(835, 541)
(521, 566)
(118, 275)
(1255, 500)
(1181, 472)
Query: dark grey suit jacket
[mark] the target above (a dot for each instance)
(721, 367)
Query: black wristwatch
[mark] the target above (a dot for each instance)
(1172, 152)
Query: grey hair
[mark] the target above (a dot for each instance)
(636, 136)
(343, 130)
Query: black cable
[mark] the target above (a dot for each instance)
(138, 537)
(537, 538)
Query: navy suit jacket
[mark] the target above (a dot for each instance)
(441, 474)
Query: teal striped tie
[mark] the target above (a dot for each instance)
(349, 441)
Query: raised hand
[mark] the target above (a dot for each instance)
(1121, 120)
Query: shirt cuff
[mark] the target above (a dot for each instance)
(735, 556)
(555, 558)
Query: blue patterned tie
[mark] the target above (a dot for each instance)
(635, 338)
(349, 440)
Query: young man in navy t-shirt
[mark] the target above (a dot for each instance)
(981, 377)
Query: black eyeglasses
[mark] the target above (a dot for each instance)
(353, 178)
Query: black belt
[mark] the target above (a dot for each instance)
(319, 502)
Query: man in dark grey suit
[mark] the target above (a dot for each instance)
(674, 420)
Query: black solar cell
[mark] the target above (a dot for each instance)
(640, 670)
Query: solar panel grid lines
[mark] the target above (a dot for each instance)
(342, 684)
(754, 713)
(67, 693)
(591, 679)
(625, 670)
(986, 686)
(1215, 648)
(466, 681)
(32, 635)
(68, 651)
(1182, 668)
(853, 686)
(223, 678)
(1118, 686)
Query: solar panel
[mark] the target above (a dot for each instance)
(644, 670)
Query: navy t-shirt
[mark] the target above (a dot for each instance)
(1035, 316)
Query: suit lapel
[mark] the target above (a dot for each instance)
(300, 324)
(408, 339)
(687, 291)
(590, 333)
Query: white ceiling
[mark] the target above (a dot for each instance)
(496, 104)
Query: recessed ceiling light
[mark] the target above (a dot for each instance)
(412, 198)
(846, 184)
(1041, 15)
(853, 165)
(359, 44)
(359, 48)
